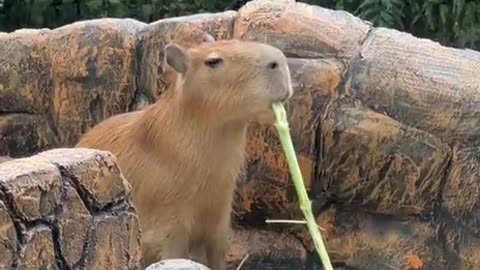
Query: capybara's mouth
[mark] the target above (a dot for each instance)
(283, 98)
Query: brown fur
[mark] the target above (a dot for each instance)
(184, 153)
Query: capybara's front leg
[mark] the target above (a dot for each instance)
(215, 246)
(176, 244)
(216, 254)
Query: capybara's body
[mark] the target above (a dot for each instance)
(183, 154)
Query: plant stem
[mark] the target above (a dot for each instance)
(305, 204)
(287, 221)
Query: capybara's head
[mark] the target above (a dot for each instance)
(230, 79)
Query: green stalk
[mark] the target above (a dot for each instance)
(305, 203)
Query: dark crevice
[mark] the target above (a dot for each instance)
(382, 173)
(451, 253)
(369, 33)
(44, 221)
(318, 154)
(90, 239)
(19, 227)
(52, 115)
(96, 110)
(10, 113)
(312, 57)
(86, 198)
(439, 215)
(233, 25)
(85, 248)
(138, 81)
(56, 232)
(443, 182)
(53, 126)
(347, 74)
(344, 266)
(89, 201)
(116, 208)
(324, 207)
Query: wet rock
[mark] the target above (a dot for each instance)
(301, 30)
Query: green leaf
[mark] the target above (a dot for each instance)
(38, 12)
(386, 20)
(444, 10)
(368, 3)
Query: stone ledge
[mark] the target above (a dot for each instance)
(74, 205)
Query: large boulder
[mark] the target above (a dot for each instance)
(177, 264)
(95, 77)
(67, 209)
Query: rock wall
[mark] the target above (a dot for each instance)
(67, 209)
(386, 126)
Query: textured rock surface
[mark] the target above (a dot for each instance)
(301, 30)
(361, 240)
(23, 133)
(48, 220)
(93, 70)
(9, 245)
(365, 154)
(26, 83)
(153, 75)
(177, 264)
(420, 83)
(386, 127)
(263, 249)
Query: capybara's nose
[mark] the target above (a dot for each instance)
(287, 85)
(278, 73)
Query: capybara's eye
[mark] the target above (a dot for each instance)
(272, 65)
(213, 62)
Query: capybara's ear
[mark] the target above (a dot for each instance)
(206, 37)
(176, 57)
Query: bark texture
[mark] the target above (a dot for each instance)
(386, 128)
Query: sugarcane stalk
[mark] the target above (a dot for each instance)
(283, 130)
